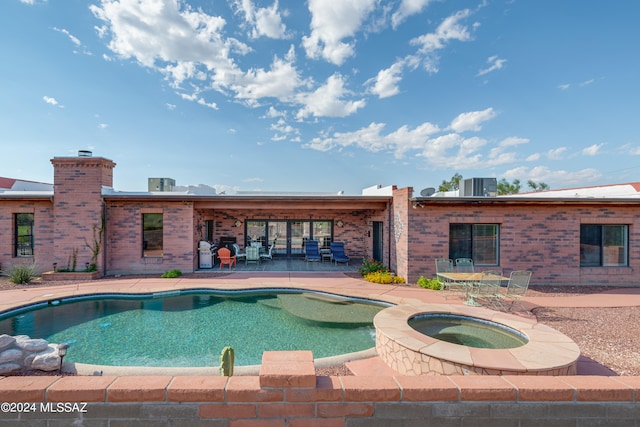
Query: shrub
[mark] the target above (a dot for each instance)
(22, 273)
(383, 278)
(171, 274)
(434, 284)
(372, 266)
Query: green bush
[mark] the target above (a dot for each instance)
(171, 274)
(434, 284)
(372, 266)
(383, 278)
(22, 273)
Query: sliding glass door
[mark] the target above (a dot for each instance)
(289, 236)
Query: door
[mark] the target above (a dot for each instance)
(377, 241)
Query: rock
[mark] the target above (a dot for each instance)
(11, 355)
(31, 344)
(6, 341)
(47, 360)
(7, 368)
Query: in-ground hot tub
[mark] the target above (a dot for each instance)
(537, 349)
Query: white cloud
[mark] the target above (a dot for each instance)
(73, 38)
(52, 101)
(471, 121)
(449, 29)
(556, 153)
(30, 2)
(265, 21)
(168, 33)
(587, 82)
(406, 9)
(103, 126)
(554, 178)
(495, 63)
(513, 140)
(592, 150)
(280, 81)
(331, 22)
(564, 86)
(326, 101)
(385, 84)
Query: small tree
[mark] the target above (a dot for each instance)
(452, 184)
(540, 186)
(504, 187)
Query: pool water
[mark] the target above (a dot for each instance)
(191, 329)
(467, 331)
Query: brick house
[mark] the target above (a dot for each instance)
(562, 239)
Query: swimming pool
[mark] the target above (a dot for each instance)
(189, 328)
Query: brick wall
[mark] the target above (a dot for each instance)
(43, 233)
(544, 238)
(124, 243)
(287, 393)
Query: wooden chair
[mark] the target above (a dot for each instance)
(225, 258)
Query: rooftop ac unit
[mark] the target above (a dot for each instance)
(479, 187)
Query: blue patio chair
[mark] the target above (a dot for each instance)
(337, 252)
(311, 251)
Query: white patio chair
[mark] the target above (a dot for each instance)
(239, 255)
(269, 254)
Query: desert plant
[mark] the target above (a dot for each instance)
(171, 274)
(22, 273)
(96, 246)
(434, 284)
(384, 278)
(227, 357)
(372, 266)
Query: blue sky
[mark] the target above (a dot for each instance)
(323, 95)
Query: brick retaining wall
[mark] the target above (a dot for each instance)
(288, 393)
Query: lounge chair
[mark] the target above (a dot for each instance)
(337, 252)
(311, 251)
(269, 254)
(239, 255)
(225, 257)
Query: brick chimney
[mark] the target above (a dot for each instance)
(78, 207)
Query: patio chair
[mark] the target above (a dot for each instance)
(253, 255)
(487, 289)
(311, 251)
(445, 265)
(269, 254)
(464, 265)
(225, 258)
(337, 252)
(239, 255)
(516, 288)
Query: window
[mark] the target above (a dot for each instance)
(604, 245)
(24, 234)
(152, 234)
(476, 241)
